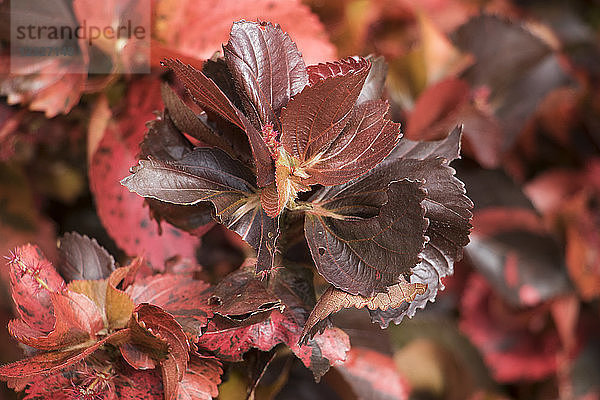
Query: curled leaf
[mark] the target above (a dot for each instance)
(152, 327)
(334, 300)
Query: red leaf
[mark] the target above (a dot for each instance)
(449, 103)
(198, 28)
(96, 381)
(33, 279)
(314, 118)
(20, 372)
(373, 376)
(327, 348)
(201, 379)
(180, 296)
(139, 385)
(78, 319)
(428, 119)
(123, 213)
(289, 284)
(136, 357)
(46, 84)
(515, 345)
(126, 52)
(549, 190)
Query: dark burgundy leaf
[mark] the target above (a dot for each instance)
(315, 117)
(83, 258)
(448, 148)
(268, 67)
(366, 140)
(513, 249)
(323, 71)
(373, 376)
(206, 93)
(211, 175)
(33, 279)
(185, 120)
(204, 174)
(446, 208)
(165, 142)
(239, 297)
(181, 296)
(517, 66)
(293, 286)
(584, 374)
(583, 238)
(216, 69)
(257, 364)
(196, 219)
(363, 235)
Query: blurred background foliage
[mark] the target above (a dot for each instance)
(520, 318)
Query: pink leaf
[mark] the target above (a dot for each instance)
(124, 214)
